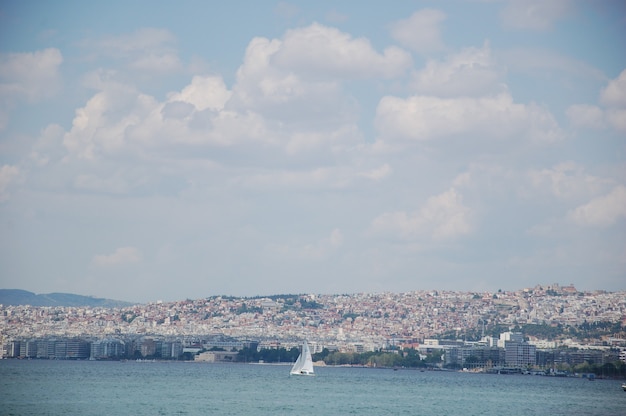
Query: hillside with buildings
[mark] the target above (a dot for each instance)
(543, 318)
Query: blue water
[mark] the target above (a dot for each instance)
(41, 387)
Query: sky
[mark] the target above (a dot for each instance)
(156, 150)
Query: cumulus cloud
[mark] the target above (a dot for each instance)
(121, 256)
(442, 217)
(533, 14)
(101, 125)
(421, 32)
(426, 118)
(319, 50)
(287, 102)
(8, 175)
(121, 118)
(602, 211)
(295, 83)
(287, 97)
(203, 93)
(470, 72)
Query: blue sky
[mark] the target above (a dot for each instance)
(160, 150)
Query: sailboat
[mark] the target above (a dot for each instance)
(304, 364)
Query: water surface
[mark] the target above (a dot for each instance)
(42, 387)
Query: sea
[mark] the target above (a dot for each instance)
(50, 387)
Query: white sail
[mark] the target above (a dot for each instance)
(304, 364)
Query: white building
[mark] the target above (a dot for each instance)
(511, 337)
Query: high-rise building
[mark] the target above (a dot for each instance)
(109, 348)
(519, 354)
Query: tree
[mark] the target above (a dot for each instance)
(434, 357)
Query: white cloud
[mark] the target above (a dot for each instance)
(462, 180)
(8, 175)
(471, 72)
(321, 51)
(586, 116)
(614, 98)
(379, 173)
(568, 180)
(421, 32)
(614, 95)
(281, 101)
(602, 211)
(30, 76)
(119, 118)
(204, 93)
(613, 113)
(147, 49)
(121, 256)
(284, 96)
(100, 127)
(617, 118)
(427, 118)
(444, 216)
(534, 14)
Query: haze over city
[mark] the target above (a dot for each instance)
(161, 150)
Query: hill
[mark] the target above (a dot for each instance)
(24, 297)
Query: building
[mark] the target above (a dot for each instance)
(170, 349)
(519, 354)
(474, 357)
(544, 358)
(148, 347)
(77, 349)
(11, 349)
(109, 348)
(510, 336)
(60, 349)
(216, 356)
(28, 349)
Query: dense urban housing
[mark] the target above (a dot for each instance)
(540, 327)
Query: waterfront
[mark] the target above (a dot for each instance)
(49, 387)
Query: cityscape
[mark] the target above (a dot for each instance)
(546, 326)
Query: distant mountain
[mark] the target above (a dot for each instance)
(24, 297)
